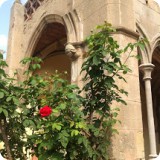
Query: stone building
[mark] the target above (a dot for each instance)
(47, 28)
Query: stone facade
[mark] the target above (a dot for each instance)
(49, 27)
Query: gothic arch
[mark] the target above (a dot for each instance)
(155, 83)
(155, 42)
(151, 52)
(146, 59)
(145, 53)
(71, 22)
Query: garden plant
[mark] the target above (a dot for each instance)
(46, 116)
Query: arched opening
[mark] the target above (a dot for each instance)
(155, 87)
(145, 59)
(155, 84)
(50, 46)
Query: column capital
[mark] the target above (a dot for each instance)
(147, 68)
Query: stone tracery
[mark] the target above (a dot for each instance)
(30, 7)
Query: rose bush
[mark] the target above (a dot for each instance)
(76, 127)
(45, 111)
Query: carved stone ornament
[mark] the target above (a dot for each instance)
(71, 51)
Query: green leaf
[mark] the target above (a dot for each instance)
(62, 106)
(1, 109)
(2, 72)
(1, 95)
(9, 99)
(33, 82)
(43, 156)
(74, 133)
(57, 126)
(80, 140)
(95, 60)
(15, 100)
(142, 47)
(72, 124)
(64, 141)
(32, 124)
(80, 125)
(55, 110)
(26, 123)
(57, 156)
(71, 95)
(5, 112)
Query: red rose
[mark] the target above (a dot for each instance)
(45, 111)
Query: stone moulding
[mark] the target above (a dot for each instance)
(155, 42)
(145, 54)
(126, 31)
(71, 22)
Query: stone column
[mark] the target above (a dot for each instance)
(75, 52)
(147, 69)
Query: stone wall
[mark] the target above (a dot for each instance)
(79, 17)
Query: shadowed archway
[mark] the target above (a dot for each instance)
(51, 48)
(155, 83)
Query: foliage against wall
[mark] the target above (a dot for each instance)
(62, 123)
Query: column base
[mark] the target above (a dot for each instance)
(153, 157)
